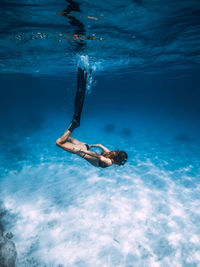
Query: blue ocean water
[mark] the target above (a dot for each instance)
(143, 98)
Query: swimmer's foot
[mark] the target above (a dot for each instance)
(74, 124)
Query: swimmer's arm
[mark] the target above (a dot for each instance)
(100, 146)
(90, 153)
(107, 161)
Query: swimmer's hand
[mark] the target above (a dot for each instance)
(100, 146)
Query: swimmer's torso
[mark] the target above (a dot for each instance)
(81, 149)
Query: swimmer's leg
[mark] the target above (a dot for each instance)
(67, 138)
(67, 142)
(79, 98)
(79, 101)
(63, 138)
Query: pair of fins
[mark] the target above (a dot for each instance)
(82, 79)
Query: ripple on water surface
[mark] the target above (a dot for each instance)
(137, 35)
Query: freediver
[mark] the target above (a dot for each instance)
(66, 142)
(72, 145)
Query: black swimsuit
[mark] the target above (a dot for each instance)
(102, 164)
(87, 147)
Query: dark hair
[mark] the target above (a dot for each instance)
(118, 157)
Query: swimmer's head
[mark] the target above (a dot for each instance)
(118, 157)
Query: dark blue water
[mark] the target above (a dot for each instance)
(143, 98)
